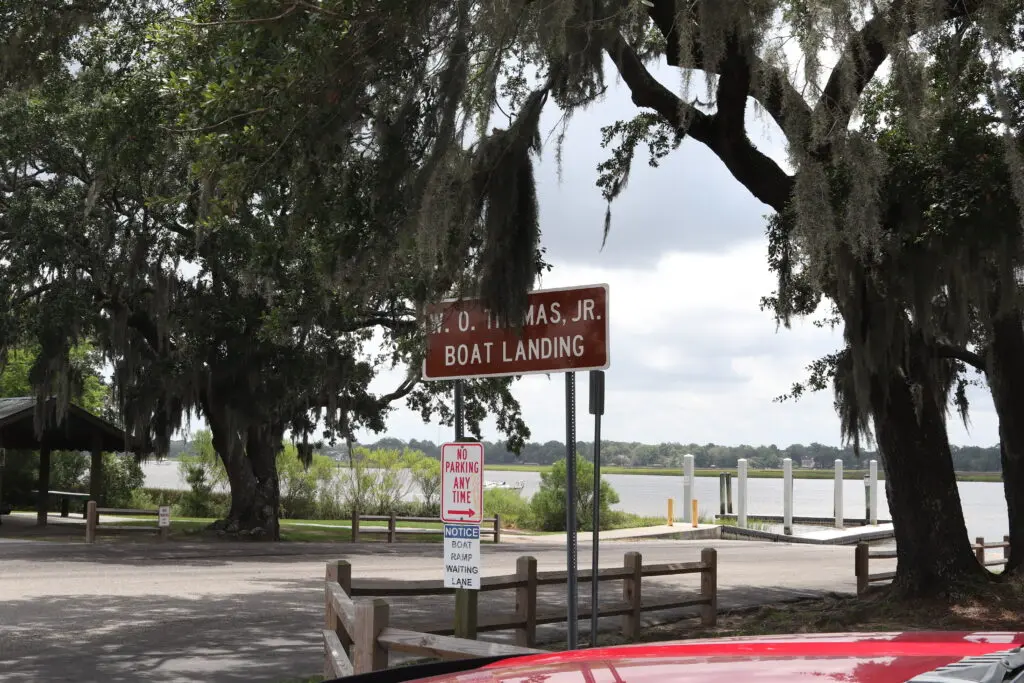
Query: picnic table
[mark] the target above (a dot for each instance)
(65, 501)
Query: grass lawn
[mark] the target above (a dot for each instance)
(307, 530)
(753, 474)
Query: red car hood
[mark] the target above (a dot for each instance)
(850, 658)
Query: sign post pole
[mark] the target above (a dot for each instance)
(597, 410)
(570, 508)
(460, 410)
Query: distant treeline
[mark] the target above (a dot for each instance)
(633, 454)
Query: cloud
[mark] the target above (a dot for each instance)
(693, 359)
(690, 203)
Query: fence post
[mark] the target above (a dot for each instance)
(371, 618)
(164, 531)
(979, 550)
(1006, 548)
(860, 567)
(526, 601)
(465, 613)
(709, 587)
(728, 493)
(91, 517)
(631, 595)
(355, 525)
(391, 527)
(497, 528)
(670, 516)
(339, 572)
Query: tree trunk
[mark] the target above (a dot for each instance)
(251, 466)
(933, 551)
(1006, 382)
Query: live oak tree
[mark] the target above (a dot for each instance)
(956, 244)
(105, 232)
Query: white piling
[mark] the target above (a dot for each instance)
(787, 496)
(687, 487)
(873, 477)
(741, 493)
(838, 504)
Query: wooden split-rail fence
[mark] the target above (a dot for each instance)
(392, 529)
(865, 553)
(93, 527)
(357, 635)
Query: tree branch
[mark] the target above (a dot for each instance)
(961, 354)
(403, 389)
(776, 93)
(758, 172)
(864, 54)
(28, 294)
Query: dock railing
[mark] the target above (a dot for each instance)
(865, 553)
(349, 623)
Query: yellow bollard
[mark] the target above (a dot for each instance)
(693, 514)
(671, 517)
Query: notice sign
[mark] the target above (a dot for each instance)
(462, 556)
(462, 482)
(164, 513)
(564, 329)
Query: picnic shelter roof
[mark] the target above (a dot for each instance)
(79, 430)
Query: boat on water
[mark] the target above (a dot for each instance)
(515, 486)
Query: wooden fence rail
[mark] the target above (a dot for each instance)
(93, 527)
(864, 554)
(357, 637)
(392, 529)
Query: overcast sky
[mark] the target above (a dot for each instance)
(693, 358)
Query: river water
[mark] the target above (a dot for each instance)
(983, 502)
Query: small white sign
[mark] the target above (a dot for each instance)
(462, 556)
(462, 483)
(165, 516)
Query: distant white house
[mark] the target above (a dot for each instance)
(808, 463)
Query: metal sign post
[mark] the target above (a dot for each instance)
(597, 410)
(459, 412)
(570, 509)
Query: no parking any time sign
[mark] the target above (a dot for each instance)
(462, 483)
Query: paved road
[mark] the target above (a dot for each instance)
(243, 612)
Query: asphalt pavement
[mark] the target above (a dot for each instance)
(232, 612)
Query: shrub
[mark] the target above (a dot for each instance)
(426, 473)
(514, 509)
(122, 477)
(303, 487)
(203, 471)
(548, 505)
(375, 482)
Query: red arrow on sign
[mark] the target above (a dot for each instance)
(467, 513)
